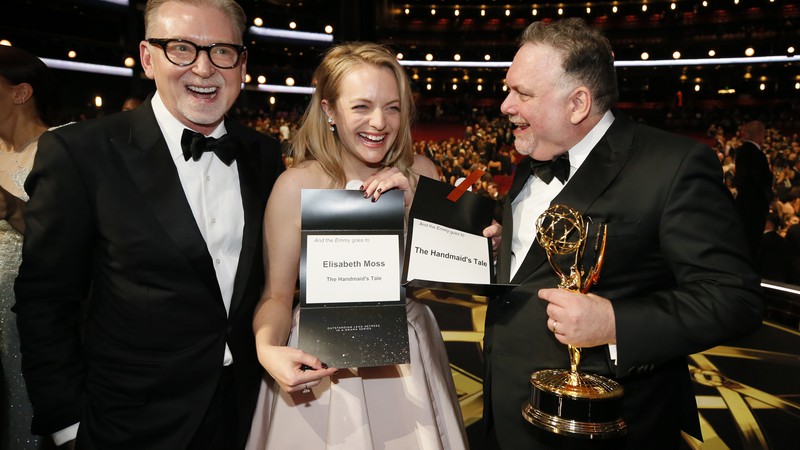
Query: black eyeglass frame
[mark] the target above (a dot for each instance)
(162, 43)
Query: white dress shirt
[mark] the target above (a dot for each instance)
(212, 190)
(536, 196)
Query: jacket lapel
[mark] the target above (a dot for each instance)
(248, 161)
(521, 176)
(600, 168)
(150, 165)
(593, 177)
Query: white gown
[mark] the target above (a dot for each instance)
(402, 407)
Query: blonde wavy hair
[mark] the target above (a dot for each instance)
(315, 141)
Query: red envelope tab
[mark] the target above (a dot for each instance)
(461, 188)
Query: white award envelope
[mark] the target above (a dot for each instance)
(445, 247)
(352, 305)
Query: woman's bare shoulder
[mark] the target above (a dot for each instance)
(425, 167)
(306, 175)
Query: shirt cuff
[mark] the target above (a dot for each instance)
(67, 434)
(612, 353)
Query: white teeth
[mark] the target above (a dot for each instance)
(372, 138)
(201, 90)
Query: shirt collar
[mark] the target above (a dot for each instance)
(172, 128)
(581, 150)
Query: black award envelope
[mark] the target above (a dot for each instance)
(445, 247)
(352, 305)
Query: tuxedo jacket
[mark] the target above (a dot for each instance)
(675, 269)
(122, 322)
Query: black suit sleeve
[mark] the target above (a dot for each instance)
(716, 294)
(52, 283)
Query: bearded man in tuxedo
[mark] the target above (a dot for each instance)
(677, 277)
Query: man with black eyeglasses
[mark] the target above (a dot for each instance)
(143, 252)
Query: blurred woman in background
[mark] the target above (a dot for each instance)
(28, 105)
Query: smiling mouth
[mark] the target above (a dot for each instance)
(203, 91)
(372, 138)
(520, 126)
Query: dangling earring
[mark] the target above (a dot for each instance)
(333, 127)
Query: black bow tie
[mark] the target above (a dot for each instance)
(546, 170)
(194, 144)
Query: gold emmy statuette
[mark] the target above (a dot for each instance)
(569, 402)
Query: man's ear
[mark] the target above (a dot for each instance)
(22, 93)
(146, 57)
(580, 103)
(243, 63)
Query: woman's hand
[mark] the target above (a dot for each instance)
(293, 369)
(11, 209)
(386, 179)
(495, 232)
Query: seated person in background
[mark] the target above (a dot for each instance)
(29, 101)
(773, 260)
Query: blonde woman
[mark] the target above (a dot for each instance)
(356, 133)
